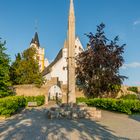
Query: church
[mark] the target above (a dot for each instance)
(58, 67)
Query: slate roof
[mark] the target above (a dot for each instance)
(58, 57)
(35, 40)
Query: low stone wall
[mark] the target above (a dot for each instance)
(124, 91)
(29, 90)
(79, 93)
(32, 90)
(139, 89)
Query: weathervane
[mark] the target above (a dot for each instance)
(36, 25)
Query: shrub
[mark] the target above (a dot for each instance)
(120, 105)
(10, 105)
(134, 89)
(6, 93)
(130, 96)
(39, 99)
(81, 99)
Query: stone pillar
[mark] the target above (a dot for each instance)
(71, 55)
(64, 93)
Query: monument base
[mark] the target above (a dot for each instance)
(73, 111)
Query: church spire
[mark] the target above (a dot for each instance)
(35, 40)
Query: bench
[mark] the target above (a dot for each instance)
(32, 104)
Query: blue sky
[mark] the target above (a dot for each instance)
(122, 17)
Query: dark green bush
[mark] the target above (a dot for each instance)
(119, 105)
(9, 105)
(130, 96)
(39, 99)
(134, 89)
(6, 93)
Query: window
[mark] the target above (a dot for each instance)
(80, 49)
(63, 68)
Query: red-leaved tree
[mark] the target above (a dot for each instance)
(98, 66)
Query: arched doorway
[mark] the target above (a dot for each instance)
(54, 93)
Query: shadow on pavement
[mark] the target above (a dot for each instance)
(135, 117)
(34, 125)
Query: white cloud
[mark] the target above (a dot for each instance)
(136, 22)
(131, 65)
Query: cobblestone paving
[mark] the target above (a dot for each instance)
(33, 125)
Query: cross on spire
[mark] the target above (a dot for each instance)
(36, 25)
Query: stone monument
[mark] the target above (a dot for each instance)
(71, 97)
(70, 110)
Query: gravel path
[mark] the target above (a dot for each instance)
(33, 125)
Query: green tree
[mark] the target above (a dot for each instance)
(98, 66)
(134, 89)
(25, 69)
(15, 70)
(4, 72)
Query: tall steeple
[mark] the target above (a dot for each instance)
(35, 40)
(71, 54)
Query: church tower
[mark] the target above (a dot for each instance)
(40, 51)
(71, 54)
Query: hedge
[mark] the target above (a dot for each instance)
(10, 105)
(119, 105)
(39, 99)
(130, 97)
(6, 94)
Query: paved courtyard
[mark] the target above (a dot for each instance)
(33, 125)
